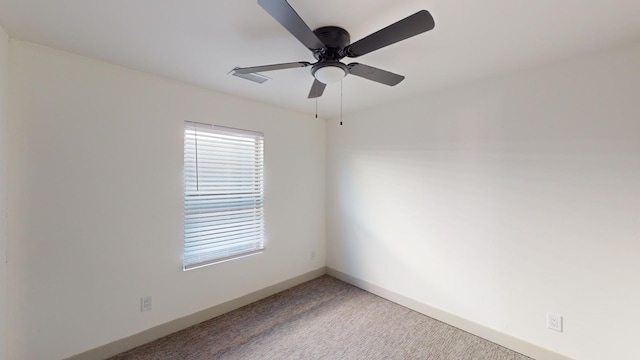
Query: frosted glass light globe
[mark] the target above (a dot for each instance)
(329, 74)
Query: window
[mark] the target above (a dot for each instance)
(223, 194)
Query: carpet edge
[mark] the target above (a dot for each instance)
(154, 333)
(502, 339)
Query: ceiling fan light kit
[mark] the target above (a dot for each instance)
(330, 73)
(330, 44)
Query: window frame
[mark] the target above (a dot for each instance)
(223, 183)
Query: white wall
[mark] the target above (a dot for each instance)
(501, 200)
(95, 201)
(4, 74)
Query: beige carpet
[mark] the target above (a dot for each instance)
(322, 319)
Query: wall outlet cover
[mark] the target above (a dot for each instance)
(145, 303)
(554, 322)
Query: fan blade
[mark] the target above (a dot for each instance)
(410, 26)
(255, 69)
(289, 18)
(375, 74)
(316, 89)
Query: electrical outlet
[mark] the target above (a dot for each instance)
(145, 303)
(554, 322)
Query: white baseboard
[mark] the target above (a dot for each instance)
(165, 329)
(482, 331)
(157, 332)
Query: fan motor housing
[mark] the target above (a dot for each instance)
(335, 39)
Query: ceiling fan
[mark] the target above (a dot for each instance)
(330, 44)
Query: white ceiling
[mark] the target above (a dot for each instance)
(200, 41)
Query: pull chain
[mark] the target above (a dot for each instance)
(340, 102)
(316, 104)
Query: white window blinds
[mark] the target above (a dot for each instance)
(223, 194)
